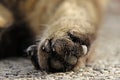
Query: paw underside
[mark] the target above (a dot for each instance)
(62, 53)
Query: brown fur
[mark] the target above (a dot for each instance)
(70, 22)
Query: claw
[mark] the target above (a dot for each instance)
(53, 49)
(85, 50)
(46, 46)
(31, 50)
(43, 48)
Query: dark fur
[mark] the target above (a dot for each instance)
(15, 39)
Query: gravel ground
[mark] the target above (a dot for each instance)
(105, 67)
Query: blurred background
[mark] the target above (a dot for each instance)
(110, 31)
